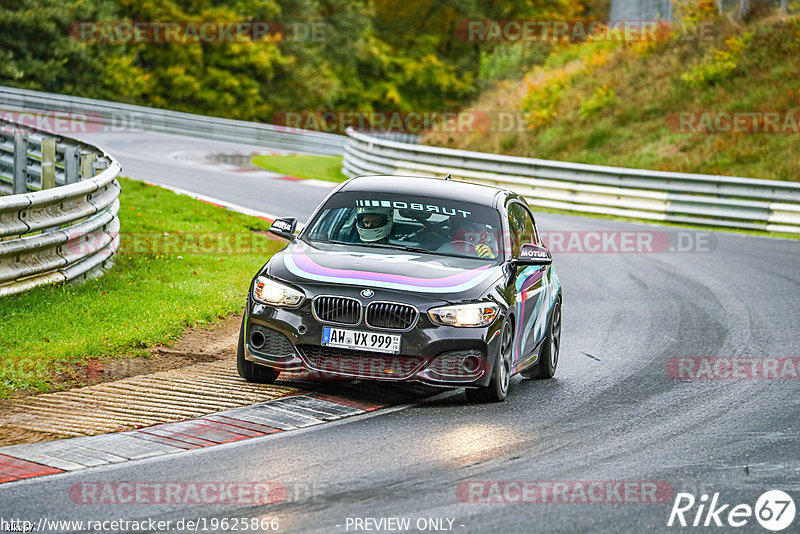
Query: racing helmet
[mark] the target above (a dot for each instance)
(374, 223)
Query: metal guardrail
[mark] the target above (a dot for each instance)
(637, 10)
(720, 201)
(60, 221)
(119, 117)
(717, 201)
(640, 10)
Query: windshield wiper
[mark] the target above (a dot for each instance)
(376, 245)
(331, 242)
(397, 247)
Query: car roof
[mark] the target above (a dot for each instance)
(434, 187)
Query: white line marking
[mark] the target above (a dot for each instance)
(224, 203)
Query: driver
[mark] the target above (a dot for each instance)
(374, 224)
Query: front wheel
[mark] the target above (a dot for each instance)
(497, 389)
(252, 372)
(548, 359)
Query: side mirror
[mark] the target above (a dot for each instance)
(284, 228)
(530, 254)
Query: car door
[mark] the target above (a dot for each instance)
(531, 286)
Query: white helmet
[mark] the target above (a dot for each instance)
(378, 223)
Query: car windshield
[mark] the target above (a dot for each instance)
(404, 222)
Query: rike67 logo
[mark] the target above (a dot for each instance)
(774, 510)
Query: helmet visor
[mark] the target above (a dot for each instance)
(372, 220)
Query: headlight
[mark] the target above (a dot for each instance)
(477, 314)
(271, 292)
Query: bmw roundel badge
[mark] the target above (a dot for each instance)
(367, 293)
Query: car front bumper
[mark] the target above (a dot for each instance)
(290, 340)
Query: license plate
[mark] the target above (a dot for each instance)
(353, 339)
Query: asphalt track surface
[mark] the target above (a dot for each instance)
(611, 414)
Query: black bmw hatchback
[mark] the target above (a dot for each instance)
(408, 279)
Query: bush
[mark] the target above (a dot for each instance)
(602, 98)
(719, 65)
(547, 84)
(544, 95)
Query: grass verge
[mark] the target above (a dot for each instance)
(181, 263)
(623, 105)
(300, 166)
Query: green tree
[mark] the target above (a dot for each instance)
(380, 55)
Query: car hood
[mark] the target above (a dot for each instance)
(441, 277)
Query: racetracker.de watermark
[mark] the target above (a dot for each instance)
(326, 368)
(734, 368)
(410, 122)
(172, 243)
(531, 31)
(735, 122)
(48, 367)
(69, 122)
(178, 493)
(627, 242)
(182, 31)
(564, 492)
(558, 241)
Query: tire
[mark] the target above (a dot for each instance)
(252, 372)
(497, 389)
(548, 359)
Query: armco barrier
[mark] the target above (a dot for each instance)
(58, 218)
(718, 201)
(121, 117)
(745, 203)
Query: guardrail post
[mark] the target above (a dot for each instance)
(20, 163)
(100, 165)
(48, 163)
(87, 159)
(71, 162)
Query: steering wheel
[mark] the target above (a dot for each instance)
(473, 245)
(432, 229)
